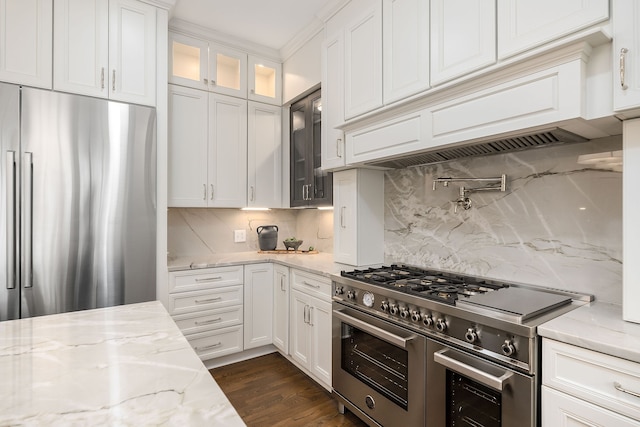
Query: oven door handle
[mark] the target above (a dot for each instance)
(389, 337)
(496, 383)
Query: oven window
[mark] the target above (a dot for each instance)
(471, 404)
(375, 362)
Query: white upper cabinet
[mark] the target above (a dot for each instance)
(106, 49)
(187, 151)
(188, 61)
(524, 24)
(132, 51)
(363, 61)
(227, 151)
(405, 48)
(25, 42)
(626, 55)
(207, 149)
(463, 37)
(265, 81)
(264, 157)
(227, 71)
(333, 147)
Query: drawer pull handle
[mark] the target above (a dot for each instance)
(201, 301)
(208, 322)
(209, 279)
(619, 387)
(311, 284)
(207, 347)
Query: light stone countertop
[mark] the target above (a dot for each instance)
(124, 365)
(599, 327)
(320, 263)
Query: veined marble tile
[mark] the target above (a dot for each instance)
(559, 224)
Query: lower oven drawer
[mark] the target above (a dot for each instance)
(220, 342)
(378, 367)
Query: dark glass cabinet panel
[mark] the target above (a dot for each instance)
(310, 185)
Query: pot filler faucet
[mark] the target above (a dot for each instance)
(493, 184)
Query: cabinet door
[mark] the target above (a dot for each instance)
(81, 47)
(281, 307)
(345, 205)
(132, 52)
(227, 71)
(333, 102)
(258, 305)
(188, 61)
(25, 42)
(524, 24)
(560, 409)
(320, 318)
(363, 62)
(264, 156)
(227, 151)
(631, 227)
(300, 341)
(187, 156)
(626, 55)
(405, 48)
(265, 81)
(463, 37)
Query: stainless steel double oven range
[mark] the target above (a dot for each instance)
(414, 347)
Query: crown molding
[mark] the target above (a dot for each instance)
(330, 9)
(162, 4)
(193, 30)
(300, 39)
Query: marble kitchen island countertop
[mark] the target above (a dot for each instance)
(321, 263)
(599, 327)
(125, 365)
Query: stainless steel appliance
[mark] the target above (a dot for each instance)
(77, 203)
(476, 341)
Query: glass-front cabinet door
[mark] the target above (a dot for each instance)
(310, 185)
(265, 81)
(227, 71)
(188, 61)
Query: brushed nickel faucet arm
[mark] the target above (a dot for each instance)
(494, 184)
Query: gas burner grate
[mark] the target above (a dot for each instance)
(428, 284)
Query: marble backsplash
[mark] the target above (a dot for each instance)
(197, 232)
(559, 224)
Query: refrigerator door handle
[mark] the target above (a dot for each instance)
(11, 219)
(27, 266)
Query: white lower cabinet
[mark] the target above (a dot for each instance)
(310, 325)
(207, 306)
(258, 305)
(281, 307)
(581, 387)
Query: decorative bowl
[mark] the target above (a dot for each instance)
(292, 244)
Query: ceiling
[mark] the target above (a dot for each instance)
(270, 23)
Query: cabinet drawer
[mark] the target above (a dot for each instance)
(202, 321)
(208, 278)
(188, 302)
(220, 342)
(311, 284)
(592, 376)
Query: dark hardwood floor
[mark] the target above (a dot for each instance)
(270, 391)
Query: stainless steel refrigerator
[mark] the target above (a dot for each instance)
(77, 203)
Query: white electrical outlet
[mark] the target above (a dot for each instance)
(239, 236)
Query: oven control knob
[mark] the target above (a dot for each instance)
(441, 325)
(384, 306)
(416, 316)
(508, 349)
(339, 290)
(427, 321)
(351, 295)
(471, 335)
(368, 299)
(404, 312)
(393, 309)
